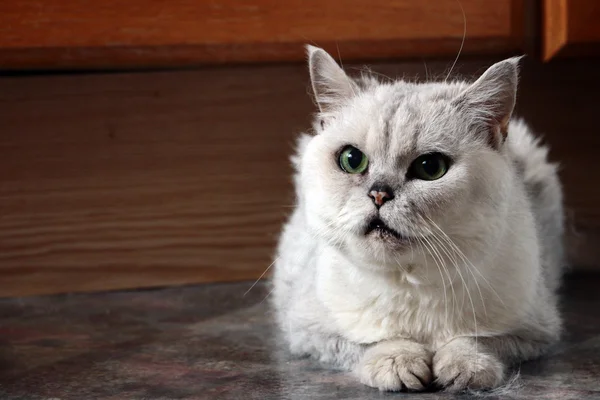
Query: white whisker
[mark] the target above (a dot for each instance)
(463, 39)
(469, 263)
(261, 276)
(466, 288)
(440, 263)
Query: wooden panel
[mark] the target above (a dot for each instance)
(136, 180)
(157, 33)
(149, 179)
(571, 28)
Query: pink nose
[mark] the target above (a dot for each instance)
(379, 197)
(380, 193)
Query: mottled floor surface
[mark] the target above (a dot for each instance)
(212, 342)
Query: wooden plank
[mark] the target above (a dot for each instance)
(571, 28)
(115, 181)
(142, 180)
(64, 34)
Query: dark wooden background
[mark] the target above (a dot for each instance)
(142, 179)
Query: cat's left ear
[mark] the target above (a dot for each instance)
(491, 99)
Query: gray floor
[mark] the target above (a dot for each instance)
(212, 342)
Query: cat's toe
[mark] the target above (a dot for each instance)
(460, 365)
(395, 366)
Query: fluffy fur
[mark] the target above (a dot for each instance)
(471, 290)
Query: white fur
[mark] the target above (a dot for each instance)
(492, 277)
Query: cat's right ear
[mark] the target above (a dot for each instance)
(331, 86)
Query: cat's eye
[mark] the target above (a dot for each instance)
(429, 167)
(353, 161)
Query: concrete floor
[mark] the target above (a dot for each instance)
(212, 342)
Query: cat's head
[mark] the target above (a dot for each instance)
(392, 164)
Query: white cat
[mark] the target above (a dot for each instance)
(426, 244)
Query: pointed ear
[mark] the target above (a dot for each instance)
(491, 99)
(331, 86)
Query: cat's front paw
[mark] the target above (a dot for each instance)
(396, 365)
(461, 364)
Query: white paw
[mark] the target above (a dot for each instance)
(396, 365)
(459, 365)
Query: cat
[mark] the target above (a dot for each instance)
(425, 248)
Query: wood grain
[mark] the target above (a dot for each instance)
(570, 28)
(64, 34)
(115, 181)
(135, 180)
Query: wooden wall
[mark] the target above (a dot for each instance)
(110, 34)
(124, 180)
(570, 28)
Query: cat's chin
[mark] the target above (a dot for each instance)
(379, 231)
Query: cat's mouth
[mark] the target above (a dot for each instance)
(380, 229)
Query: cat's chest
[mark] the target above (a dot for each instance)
(367, 311)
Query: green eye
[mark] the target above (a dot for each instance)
(429, 167)
(353, 161)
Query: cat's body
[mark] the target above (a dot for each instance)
(476, 253)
